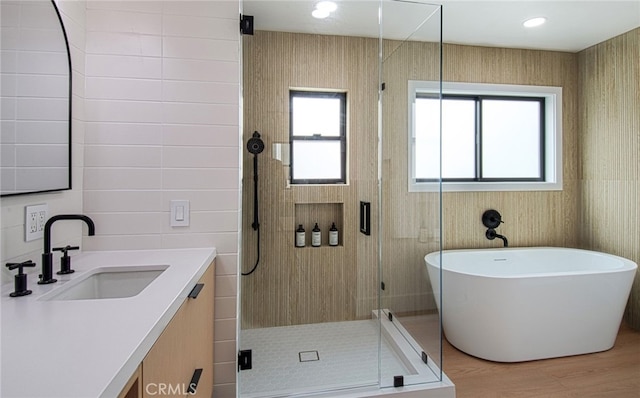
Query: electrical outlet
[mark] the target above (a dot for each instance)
(33, 222)
(35, 218)
(42, 220)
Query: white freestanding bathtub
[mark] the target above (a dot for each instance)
(522, 304)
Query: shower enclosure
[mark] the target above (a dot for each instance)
(358, 317)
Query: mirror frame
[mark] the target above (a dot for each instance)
(70, 98)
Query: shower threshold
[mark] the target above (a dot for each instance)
(338, 359)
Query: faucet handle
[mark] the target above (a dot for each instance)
(65, 249)
(491, 219)
(20, 282)
(21, 265)
(65, 260)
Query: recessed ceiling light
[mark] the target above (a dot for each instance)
(324, 9)
(533, 22)
(320, 14)
(327, 5)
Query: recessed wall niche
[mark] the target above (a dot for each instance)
(308, 214)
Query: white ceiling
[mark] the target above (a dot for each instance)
(572, 25)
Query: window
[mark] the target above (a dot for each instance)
(318, 137)
(494, 137)
(484, 138)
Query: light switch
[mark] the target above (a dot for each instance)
(179, 213)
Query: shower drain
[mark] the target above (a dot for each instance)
(308, 356)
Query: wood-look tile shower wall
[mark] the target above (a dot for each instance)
(610, 152)
(306, 285)
(293, 286)
(546, 218)
(410, 220)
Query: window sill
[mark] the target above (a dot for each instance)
(485, 186)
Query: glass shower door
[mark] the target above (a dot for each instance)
(306, 310)
(410, 210)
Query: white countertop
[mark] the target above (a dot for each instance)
(90, 348)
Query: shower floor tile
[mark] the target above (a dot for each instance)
(321, 356)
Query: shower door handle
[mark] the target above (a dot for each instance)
(365, 217)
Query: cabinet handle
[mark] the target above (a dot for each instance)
(196, 290)
(193, 385)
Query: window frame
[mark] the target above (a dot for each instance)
(551, 156)
(479, 136)
(341, 138)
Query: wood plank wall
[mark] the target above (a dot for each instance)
(531, 218)
(293, 286)
(609, 104)
(306, 285)
(545, 218)
(409, 220)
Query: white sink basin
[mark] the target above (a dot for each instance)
(108, 283)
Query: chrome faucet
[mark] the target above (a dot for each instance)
(47, 257)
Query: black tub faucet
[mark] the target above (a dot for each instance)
(47, 257)
(491, 234)
(492, 220)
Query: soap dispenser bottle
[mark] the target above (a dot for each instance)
(316, 238)
(333, 235)
(300, 236)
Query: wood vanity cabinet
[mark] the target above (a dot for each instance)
(184, 349)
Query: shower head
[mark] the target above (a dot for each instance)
(255, 145)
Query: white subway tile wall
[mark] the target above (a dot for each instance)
(162, 123)
(155, 118)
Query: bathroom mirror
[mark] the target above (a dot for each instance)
(35, 88)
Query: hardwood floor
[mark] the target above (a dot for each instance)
(614, 373)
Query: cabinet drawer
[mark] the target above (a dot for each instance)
(182, 357)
